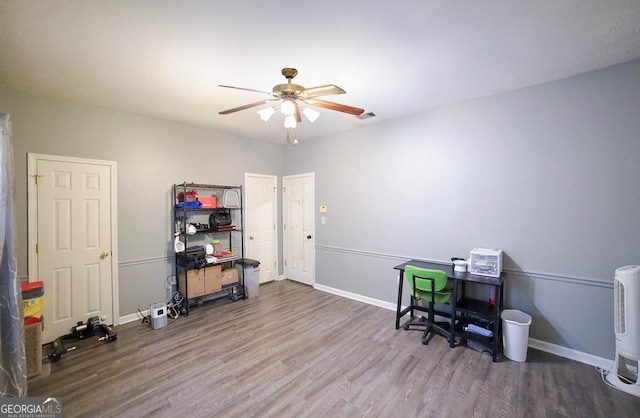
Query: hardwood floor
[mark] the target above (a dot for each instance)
(298, 352)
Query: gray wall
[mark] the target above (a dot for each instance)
(547, 173)
(151, 155)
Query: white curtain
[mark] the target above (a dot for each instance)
(13, 364)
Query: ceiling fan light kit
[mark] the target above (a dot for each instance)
(310, 114)
(287, 107)
(288, 96)
(290, 121)
(266, 113)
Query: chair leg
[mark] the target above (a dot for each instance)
(427, 332)
(420, 323)
(427, 335)
(435, 327)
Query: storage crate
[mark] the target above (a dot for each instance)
(208, 202)
(485, 262)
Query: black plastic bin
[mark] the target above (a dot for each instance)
(249, 270)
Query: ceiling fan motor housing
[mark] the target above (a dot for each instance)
(287, 91)
(289, 73)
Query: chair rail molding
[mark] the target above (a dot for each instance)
(510, 272)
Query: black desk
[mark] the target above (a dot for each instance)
(463, 307)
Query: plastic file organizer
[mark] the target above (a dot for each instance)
(485, 262)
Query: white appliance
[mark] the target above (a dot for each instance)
(158, 314)
(626, 321)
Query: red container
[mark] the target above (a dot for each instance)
(208, 202)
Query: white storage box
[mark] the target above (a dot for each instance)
(485, 262)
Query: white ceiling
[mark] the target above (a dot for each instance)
(166, 58)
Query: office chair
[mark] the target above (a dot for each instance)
(429, 286)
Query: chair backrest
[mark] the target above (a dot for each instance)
(424, 277)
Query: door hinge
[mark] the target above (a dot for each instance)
(36, 248)
(36, 177)
(284, 190)
(285, 263)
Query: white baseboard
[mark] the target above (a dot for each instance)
(355, 296)
(132, 317)
(557, 350)
(571, 354)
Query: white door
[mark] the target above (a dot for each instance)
(298, 197)
(261, 216)
(74, 251)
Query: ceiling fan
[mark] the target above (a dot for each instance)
(289, 94)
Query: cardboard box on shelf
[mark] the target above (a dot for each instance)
(212, 270)
(229, 276)
(194, 281)
(212, 281)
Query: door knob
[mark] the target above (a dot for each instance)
(104, 255)
(251, 237)
(308, 236)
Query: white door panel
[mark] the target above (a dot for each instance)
(74, 243)
(299, 228)
(261, 218)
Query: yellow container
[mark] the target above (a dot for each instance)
(32, 294)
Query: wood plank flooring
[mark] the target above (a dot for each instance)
(298, 352)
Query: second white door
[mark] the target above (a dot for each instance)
(298, 197)
(261, 211)
(261, 238)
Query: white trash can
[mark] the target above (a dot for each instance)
(515, 334)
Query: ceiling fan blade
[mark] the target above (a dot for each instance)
(247, 106)
(242, 88)
(334, 106)
(321, 91)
